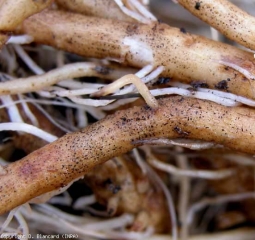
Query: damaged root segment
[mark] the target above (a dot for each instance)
(187, 57)
(227, 18)
(13, 12)
(75, 154)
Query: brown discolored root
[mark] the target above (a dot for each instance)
(75, 154)
(227, 18)
(186, 57)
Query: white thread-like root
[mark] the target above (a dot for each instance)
(82, 202)
(12, 109)
(62, 222)
(135, 15)
(240, 99)
(211, 175)
(144, 71)
(194, 94)
(215, 201)
(117, 222)
(49, 92)
(50, 118)
(28, 60)
(72, 84)
(81, 118)
(159, 182)
(241, 160)
(139, 161)
(22, 39)
(64, 200)
(8, 219)
(96, 113)
(118, 103)
(24, 127)
(77, 92)
(97, 213)
(153, 74)
(226, 95)
(140, 8)
(23, 226)
(28, 112)
(130, 78)
(45, 197)
(90, 102)
(186, 143)
(245, 72)
(9, 61)
(35, 101)
(47, 209)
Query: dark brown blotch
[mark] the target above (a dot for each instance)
(197, 5)
(222, 85)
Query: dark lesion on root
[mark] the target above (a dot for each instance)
(180, 131)
(198, 5)
(222, 85)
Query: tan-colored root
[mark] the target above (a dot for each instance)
(128, 79)
(185, 57)
(227, 18)
(13, 12)
(75, 154)
(38, 82)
